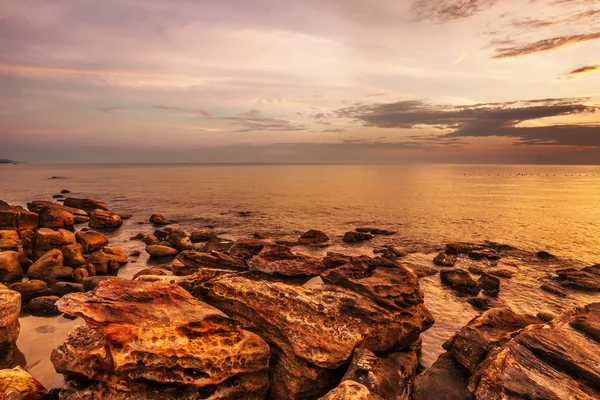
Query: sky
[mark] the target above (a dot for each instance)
(457, 81)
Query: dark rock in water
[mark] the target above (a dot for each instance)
(579, 279)
(420, 270)
(548, 287)
(485, 333)
(334, 260)
(459, 280)
(159, 219)
(92, 282)
(244, 213)
(58, 196)
(485, 303)
(202, 235)
(544, 255)
(489, 284)
(17, 218)
(193, 260)
(556, 361)
(17, 384)
(444, 260)
(179, 240)
(546, 316)
(500, 272)
(73, 255)
(390, 252)
(62, 288)
(446, 379)
(390, 377)
(100, 219)
(350, 390)
(42, 306)
(477, 269)
(65, 191)
(246, 248)
(314, 238)
(30, 289)
(356, 237)
(592, 269)
(150, 271)
(139, 236)
(87, 205)
(460, 248)
(216, 244)
(135, 253)
(158, 251)
(80, 275)
(484, 254)
(174, 347)
(10, 266)
(375, 231)
(10, 306)
(125, 216)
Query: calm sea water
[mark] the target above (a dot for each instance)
(553, 208)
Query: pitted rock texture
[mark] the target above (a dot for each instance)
(144, 338)
(350, 390)
(10, 306)
(16, 383)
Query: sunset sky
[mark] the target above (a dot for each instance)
(514, 81)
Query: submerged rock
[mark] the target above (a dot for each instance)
(489, 284)
(390, 252)
(159, 220)
(580, 279)
(10, 306)
(17, 384)
(100, 219)
(444, 260)
(461, 248)
(375, 231)
(314, 238)
(154, 340)
(459, 280)
(356, 237)
(88, 205)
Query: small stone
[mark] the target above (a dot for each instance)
(489, 284)
(444, 260)
(42, 306)
(356, 237)
(150, 271)
(554, 289)
(159, 251)
(159, 220)
(314, 238)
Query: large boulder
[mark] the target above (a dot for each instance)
(79, 216)
(46, 239)
(44, 306)
(555, 361)
(88, 205)
(460, 280)
(91, 240)
(313, 331)
(10, 306)
(100, 219)
(194, 260)
(30, 289)
(314, 238)
(9, 240)
(73, 255)
(10, 266)
(17, 218)
(154, 340)
(16, 383)
(41, 268)
(103, 263)
(277, 259)
(55, 218)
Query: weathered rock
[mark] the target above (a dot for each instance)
(104, 263)
(460, 248)
(356, 237)
(314, 238)
(557, 290)
(158, 251)
(334, 260)
(42, 306)
(159, 220)
(484, 333)
(17, 218)
(100, 219)
(65, 191)
(544, 255)
(446, 379)
(58, 274)
(9, 240)
(444, 260)
(91, 240)
(390, 377)
(246, 248)
(375, 231)
(459, 280)
(79, 215)
(117, 254)
(154, 340)
(179, 240)
(192, 261)
(215, 244)
(80, 275)
(556, 361)
(73, 255)
(277, 259)
(17, 384)
(10, 306)
(55, 218)
(202, 235)
(92, 282)
(502, 272)
(485, 303)
(138, 236)
(150, 239)
(489, 284)
(419, 269)
(350, 390)
(46, 239)
(62, 288)
(88, 205)
(390, 252)
(10, 267)
(488, 254)
(30, 289)
(150, 271)
(546, 316)
(579, 279)
(41, 268)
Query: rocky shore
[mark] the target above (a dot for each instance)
(279, 317)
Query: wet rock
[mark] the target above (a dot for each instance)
(420, 270)
(159, 220)
(202, 235)
(58, 274)
(557, 290)
(150, 239)
(125, 216)
(356, 237)
(544, 255)
(10, 306)
(46, 239)
(277, 259)
(9, 240)
(390, 377)
(350, 390)
(555, 361)
(593, 269)
(100, 219)
(351, 310)
(73, 255)
(92, 282)
(17, 218)
(191, 261)
(390, 252)
(485, 303)
(30, 289)
(104, 263)
(87, 205)
(502, 272)
(65, 191)
(546, 316)
(55, 218)
(446, 379)
(158, 251)
(150, 271)
(80, 275)
(334, 260)
(41, 268)
(10, 266)
(375, 231)
(579, 279)
(246, 248)
(488, 254)
(459, 280)
(489, 284)
(135, 253)
(154, 340)
(444, 260)
(460, 248)
(17, 384)
(216, 244)
(117, 254)
(79, 216)
(91, 240)
(62, 288)
(139, 236)
(314, 238)
(42, 306)
(179, 240)
(477, 269)
(484, 333)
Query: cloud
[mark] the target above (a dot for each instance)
(194, 111)
(586, 69)
(543, 45)
(254, 121)
(333, 130)
(484, 120)
(448, 10)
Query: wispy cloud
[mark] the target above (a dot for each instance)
(543, 45)
(586, 69)
(254, 121)
(448, 10)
